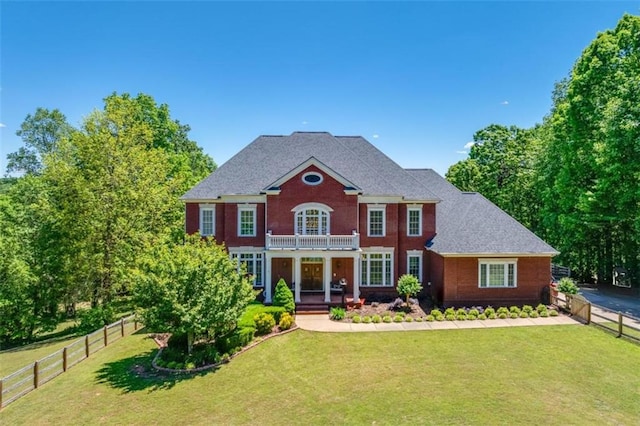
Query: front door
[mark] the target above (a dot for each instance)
(312, 274)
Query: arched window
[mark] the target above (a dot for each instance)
(312, 219)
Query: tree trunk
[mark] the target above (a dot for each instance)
(190, 338)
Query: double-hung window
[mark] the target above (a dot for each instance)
(254, 263)
(414, 264)
(207, 219)
(414, 221)
(376, 269)
(247, 221)
(497, 273)
(376, 221)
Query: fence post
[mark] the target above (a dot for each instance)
(588, 313)
(122, 327)
(0, 393)
(619, 324)
(35, 374)
(64, 359)
(135, 325)
(86, 345)
(105, 332)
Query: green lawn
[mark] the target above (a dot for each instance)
(16, 358)
(519, 375)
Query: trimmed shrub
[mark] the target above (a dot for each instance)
(474, 311)
(541, 308)
(492, 315)
(408, 319)
(482, 316)
(527, 308)
(502, 310)
(357, 319)
(376, 319)
(449, 311)
(461, 311)
(534, 314)
(283, 296)
(472, 317)
(337, 314)
(246, 320)
(523, 314)
(387, 318)
(366, 319)
(544, 314)
(461, 317)
(489, 311)
(419, 319)
(286, 321)
(513, 315)
(440, 317)
(189, 366)
(514, 310)
(503, 315)
(450, 317)
(553, 313)
(239, 338)
(398, 318)
(436, 312)
(264, 323)
(430, 318)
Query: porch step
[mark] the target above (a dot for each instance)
(312, 308)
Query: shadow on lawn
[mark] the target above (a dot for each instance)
(136, 374)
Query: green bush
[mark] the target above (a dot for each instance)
(544, 314)
(408, 319)
(189, 366)
(527, 308)
(523, 314)
(440, 318)
(398, 318)
(461, 317)
(534, 314)
(483, 316)
(513, 315)
(160, 362)
(172, 365)
(449, 311)
(356, 319)
(472, 317)
(408, 285)
(514, 310)
(238, 338)
(430, 318)
(503, 315)
(553, 313)
(474, 311)
(493, 315)
(436, 312)
(489, 311)
(264, 323)
(94, 319)
(502, 310)
(567, 286)
(246, 320)
(179, 366)
(419, 319)
(284, 297)
(387, 318)
(450, 317)
(286, 321)
(461, 311)
(376, 319)
(337, 314)
(366, 319)
(541, 308)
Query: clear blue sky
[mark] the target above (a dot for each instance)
(417, 79)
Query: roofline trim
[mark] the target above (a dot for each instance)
(312, 161)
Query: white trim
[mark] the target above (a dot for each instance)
(377, 208)
(318, 206)
(207, 208)
(505, 263)
(243, 198)
(379, 199)
(496, 255)
(414, 208)
(247, 208)
(419, 255)
(306, 182)
(365, 258)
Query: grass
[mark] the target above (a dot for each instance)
(519, 375)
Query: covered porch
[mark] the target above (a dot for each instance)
(313, 275)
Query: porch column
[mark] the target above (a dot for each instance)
(297, 278)
(356, 278)
(267, 277)
(327, 279)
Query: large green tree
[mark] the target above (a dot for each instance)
(192, 289)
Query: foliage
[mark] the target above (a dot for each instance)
(95, 318)
(408, 285)
(366, 319)
(489, 310)
(246, 320)
(430, 318)
(286, 321)
(337, 314)
(356, 319)
(283, 296)
(238, 338)
(567, 286)
(264, 323)
(514, 310)
(398, 318)
(376, 319)
(541, 307)
(387, 319)
(192, 288)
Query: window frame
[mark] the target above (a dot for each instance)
(419, 255)
(414, 209)
(202, 209)
(247, 208)
(383, 210)
(506, 273)
(300, 217)
(255, 258)
(387, 271)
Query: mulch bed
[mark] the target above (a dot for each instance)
(382, 309)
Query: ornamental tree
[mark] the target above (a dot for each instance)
(408, 285)
(284, 297)
(192, 289)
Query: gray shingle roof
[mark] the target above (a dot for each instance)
(269, 158)
(468, 223)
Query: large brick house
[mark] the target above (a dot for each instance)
(314, 208)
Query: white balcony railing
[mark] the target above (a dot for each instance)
(313, 242)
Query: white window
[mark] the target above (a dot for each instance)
(414, 264)
(312, 222)
(414, 221)
(247, 221)
(376, 269)
(207, 219)
(376, 221)
(312, 178)
(496, 273)
(253, 261)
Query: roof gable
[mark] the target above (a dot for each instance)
(305, 165)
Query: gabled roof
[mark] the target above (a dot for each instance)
(268, 158)
(468, 223)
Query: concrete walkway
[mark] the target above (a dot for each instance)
(321, 322)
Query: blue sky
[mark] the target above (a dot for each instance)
(417, 79)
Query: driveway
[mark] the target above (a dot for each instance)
(628, 305)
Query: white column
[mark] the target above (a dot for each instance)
(267, 277)
(327, 279)
(356, 277)
(297, 278)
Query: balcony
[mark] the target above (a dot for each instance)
(313, 242)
